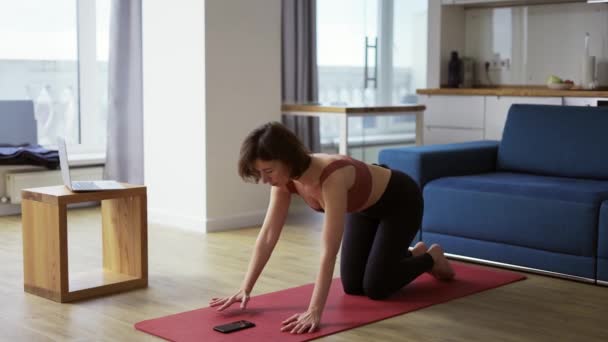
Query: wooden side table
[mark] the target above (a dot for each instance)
(346, 112)
(45, 243)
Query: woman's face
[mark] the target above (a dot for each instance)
(273, 172)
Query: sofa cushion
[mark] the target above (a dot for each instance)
(548, 213)
(555, 140)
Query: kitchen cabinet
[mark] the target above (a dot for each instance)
(585, 101)
(453, 111)
(460, 118)
(497, 108)
(449, 119)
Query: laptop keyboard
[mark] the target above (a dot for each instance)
(84, 185)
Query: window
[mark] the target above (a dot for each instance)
(354, 38)
(55, 53)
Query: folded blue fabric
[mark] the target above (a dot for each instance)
(28, 154)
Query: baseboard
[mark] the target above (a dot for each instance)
(248, 219)
(190, 223)
(253, 218)
(202, 225)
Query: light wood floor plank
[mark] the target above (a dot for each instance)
(188, 268)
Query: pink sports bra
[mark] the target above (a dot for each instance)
(360, 190)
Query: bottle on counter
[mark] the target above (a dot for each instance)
(587, 67)
(454, 71)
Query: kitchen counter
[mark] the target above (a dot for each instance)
(515, 91)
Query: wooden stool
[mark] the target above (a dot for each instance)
(45, 243)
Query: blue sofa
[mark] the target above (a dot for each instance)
(537, 199)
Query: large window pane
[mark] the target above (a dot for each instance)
(409, 49)
(43, 59)
(342, 29)
(38, 62)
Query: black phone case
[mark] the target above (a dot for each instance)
(234, 326)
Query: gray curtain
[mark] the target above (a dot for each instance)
(124, 152)
(299, 67)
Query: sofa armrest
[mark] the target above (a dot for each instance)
(425, 163)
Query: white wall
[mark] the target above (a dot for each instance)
(174, 109)
(243, 77)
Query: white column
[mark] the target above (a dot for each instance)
(174, 112)
(243, 77)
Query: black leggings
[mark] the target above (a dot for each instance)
(375, 259)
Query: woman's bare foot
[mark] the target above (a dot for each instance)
(441, 268)
(418, 249)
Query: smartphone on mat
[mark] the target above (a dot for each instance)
(234, 326)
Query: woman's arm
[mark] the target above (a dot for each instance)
(268, 235)
(334, 193)
(267, 239)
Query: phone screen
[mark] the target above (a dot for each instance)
(234, 326)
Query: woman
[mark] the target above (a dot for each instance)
(375, 211)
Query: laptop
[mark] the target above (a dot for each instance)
(81, 186)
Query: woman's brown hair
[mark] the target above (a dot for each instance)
(272, 141)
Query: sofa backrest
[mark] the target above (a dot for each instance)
(563, 141)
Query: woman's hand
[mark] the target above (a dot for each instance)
(303, 322)
(240, 296)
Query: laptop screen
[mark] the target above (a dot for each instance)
(63, 162)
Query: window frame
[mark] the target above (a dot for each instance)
(87, 89)
(88, 92)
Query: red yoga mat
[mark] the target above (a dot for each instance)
(341, 312)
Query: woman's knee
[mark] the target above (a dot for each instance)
(376, 293)
(352, 289)
(373, 292)
(375, 289)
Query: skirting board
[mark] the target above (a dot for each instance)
(190, 223)
(248, 219)
(252, 218)
(202, 225)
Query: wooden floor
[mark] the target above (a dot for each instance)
(187, 268)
